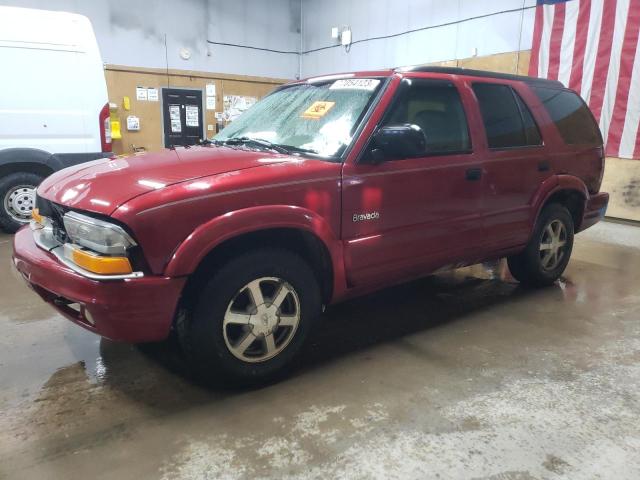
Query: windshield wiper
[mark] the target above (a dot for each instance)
(293, 148)
(278, 147)
(206, 141)
(256, 141)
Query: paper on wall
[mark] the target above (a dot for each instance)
(236, 105)
(141, 93)
(133, 123)
(152, 94)
(211, 103)
(192, 116)
(211, 89)
(174, 116)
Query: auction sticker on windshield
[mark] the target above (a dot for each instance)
(318, 109)
(355, 84)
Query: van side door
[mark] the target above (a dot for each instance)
(403, 217)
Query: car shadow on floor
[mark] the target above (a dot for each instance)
(344, 329)
(404, 310)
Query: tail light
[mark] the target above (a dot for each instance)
(105, 128)
(592, 167)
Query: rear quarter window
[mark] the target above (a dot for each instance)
(571, 116)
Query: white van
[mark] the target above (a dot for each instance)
(54, 109)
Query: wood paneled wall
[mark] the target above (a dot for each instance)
(122, 81)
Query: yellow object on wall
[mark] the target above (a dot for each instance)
(126, 103)
(116, 134)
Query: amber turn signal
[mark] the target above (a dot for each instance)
(35, 214)
(101, 265)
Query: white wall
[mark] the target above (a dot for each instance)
(272, 24)
(132, 32)
(372, 18)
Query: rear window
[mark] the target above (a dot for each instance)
(571, 116)
(507, 120)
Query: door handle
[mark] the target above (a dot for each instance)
(544, 166)
(473, 174)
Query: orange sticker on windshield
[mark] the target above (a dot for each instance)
(318, 109)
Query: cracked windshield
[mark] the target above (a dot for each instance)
(316, 118)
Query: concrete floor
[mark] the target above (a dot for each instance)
(462, 375)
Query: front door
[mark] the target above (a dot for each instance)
(406, 217)
(182, 112)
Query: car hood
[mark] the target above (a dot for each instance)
(102, 186)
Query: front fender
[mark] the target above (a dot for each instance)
(207, 236)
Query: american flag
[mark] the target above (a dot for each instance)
(592, 47)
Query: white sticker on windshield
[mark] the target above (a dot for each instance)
(355, 84)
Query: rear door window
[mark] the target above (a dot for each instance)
(531, 132)
(507, 120)
(571, 116)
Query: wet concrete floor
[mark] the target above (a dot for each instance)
(460, 375)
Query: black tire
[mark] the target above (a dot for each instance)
(200, 328)
(528, 267)
(8, 222)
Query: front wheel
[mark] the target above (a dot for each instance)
(251, 318)
(547, 253)
(17, 193)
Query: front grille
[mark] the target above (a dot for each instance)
(54, 212)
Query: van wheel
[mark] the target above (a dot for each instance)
(251, 318)
(18, 195)
(548, 252)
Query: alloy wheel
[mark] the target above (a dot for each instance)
(553, 245)
(261, 319)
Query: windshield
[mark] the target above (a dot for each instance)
(317, 118)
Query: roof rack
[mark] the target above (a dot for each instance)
(482, 73)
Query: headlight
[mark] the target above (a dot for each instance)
(97, 235)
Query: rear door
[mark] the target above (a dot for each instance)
(182, 113)
(516, 162)
(409, 216)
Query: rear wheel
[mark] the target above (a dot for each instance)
(251, 318)
(547, 254)
(18, 193)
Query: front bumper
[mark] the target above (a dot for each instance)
(594, 210)
(129, 310)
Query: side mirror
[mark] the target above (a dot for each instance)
(395, 142)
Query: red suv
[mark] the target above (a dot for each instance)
(327, 188)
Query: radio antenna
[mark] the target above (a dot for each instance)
(166, 64)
